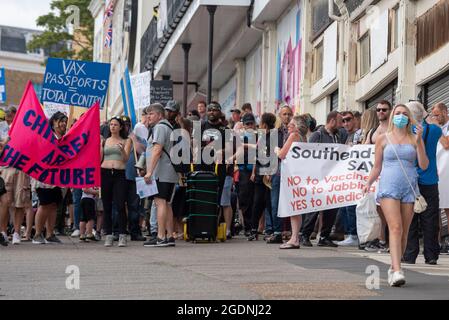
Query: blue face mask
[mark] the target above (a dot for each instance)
(400, 121)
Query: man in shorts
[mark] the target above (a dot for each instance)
(160, 170)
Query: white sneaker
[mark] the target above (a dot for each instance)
(350, 241)
(397, 279)
(109, 241)
(122, 240)
(15, 238)
(75, 233)
(390, 274)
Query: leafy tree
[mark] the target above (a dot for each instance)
(55, 38)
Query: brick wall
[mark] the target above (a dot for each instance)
(15, 85)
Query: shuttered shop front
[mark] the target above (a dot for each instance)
(437, 91)
(388, 93)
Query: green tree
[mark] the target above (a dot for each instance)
(56, 39)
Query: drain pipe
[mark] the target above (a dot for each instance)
(341, 48)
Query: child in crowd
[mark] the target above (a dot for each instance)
(88, 214)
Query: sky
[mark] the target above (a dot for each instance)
(23, 13)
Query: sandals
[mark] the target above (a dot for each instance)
(289, 246)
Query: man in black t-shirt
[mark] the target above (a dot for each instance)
(212, 130)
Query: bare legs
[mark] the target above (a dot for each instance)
(4, 212)
(227, 213)
(295, 222)
(399, 217)
(30, 221)
(164, 218)
(46, 214)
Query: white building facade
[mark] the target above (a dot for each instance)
(297, 52)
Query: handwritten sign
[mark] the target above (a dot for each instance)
(161, 91)
(51, 108)
(75, 83)
(316, 177)
(141, 87)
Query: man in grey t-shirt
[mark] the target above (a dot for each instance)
(161, 171)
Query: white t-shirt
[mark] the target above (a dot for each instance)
(141, 131)
(88, 195)
(445, 129)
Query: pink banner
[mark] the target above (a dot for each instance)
(73, 161)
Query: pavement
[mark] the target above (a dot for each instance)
(233, 270)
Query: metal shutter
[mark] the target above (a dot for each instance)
(388, 93)
(437, 91)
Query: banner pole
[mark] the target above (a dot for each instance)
(71, 112)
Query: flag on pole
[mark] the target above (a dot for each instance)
(109, 12)
(108, 39)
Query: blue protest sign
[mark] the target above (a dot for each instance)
(2, 86)
(75, 83)
(127, 96)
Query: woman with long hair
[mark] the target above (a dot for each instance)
(297, 132)
(368, 123)
(396, 154)
(49, 196)
(115, 153)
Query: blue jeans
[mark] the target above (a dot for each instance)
(349, 220)
(268, 222)
(76, 195)
(275, 189)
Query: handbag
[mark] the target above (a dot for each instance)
(420, 203)
(369, 225)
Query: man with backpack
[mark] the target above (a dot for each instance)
(161, 171)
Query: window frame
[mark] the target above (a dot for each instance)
(315, 61)
(362, 38)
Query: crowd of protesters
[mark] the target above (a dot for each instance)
(406, 136)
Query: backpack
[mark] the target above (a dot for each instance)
(179, 168)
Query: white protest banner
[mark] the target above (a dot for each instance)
(141, 88)
(51, 108)
(316, 177)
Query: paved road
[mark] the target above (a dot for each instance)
(233, 270)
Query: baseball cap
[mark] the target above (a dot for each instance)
(236, 110)
(172, 105)
(10, 110)
(248, 117)
(214, 106)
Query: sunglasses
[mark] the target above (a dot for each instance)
(382, 110)
(347, 120)
(249, 123)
